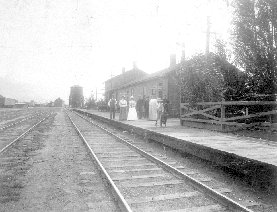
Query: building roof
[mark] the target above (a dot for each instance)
(149, 77)
(76, 86)
(124, 78)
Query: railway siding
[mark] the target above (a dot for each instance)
(50, 170)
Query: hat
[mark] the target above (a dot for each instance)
(159, 100)
(131, 97)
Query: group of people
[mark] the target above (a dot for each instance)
(152, 109)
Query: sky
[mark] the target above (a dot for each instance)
(46, 46)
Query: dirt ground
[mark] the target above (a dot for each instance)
(56, 173)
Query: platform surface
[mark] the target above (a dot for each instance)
(252, 148)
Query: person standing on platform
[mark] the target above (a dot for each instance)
(112, 104)
(132, 114)
(160, 110)
(166, 104)
(146, 108)
(123, 109)
(140, 105)
(153, 104)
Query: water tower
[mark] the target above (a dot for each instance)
(76, 97)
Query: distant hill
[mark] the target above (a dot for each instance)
(16, 90)
(26, 92)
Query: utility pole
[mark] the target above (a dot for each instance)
(111, 82)
(208, 32)
(96, 93)
(208, 35)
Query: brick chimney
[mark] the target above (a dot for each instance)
(135, 65)
(123, 70)
(172, 60)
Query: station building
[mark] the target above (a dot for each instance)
(137, 83)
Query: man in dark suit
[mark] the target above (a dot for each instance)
(146, 107)
(112, 104)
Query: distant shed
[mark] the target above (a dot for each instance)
(10, 102)
(7, 102)
(58, 103)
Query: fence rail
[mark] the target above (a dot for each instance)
(227, 114)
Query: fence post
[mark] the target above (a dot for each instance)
(222, 117)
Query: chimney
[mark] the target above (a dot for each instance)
(123, 70)
(135, 65)
(172, 60)
(183, 56)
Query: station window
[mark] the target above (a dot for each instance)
(161, 94)
(144, 91)
(160, 89)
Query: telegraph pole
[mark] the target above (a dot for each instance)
(111, 82)
(208, 33)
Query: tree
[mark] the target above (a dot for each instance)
(254, 41)
(221, 49)
(90, 102)
(213, 82)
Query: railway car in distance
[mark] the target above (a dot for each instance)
(76, 97)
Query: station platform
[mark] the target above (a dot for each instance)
(251, 156)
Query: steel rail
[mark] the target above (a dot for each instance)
(15, 123)
(23, 134)
(224, 200)
(116, 193)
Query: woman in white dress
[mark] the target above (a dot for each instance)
(123, 109)
(153, 106)
(132, 114)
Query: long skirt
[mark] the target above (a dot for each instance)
(123, 114)
(153, 112)
(132, 115)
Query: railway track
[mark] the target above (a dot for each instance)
(14, 159)
(15, 132)
(11, 115)
(18, 121)
(18, 161)
(143, 180)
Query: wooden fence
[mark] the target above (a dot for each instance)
(227, 115)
